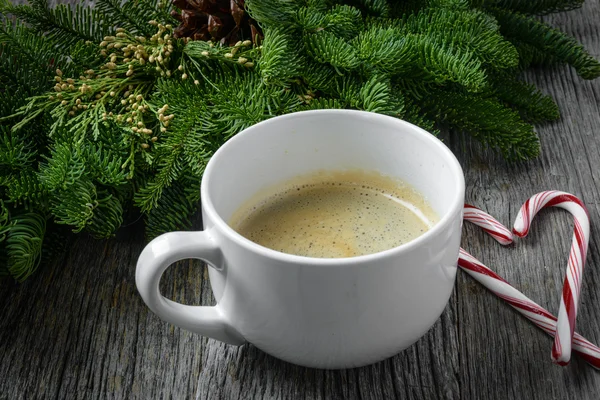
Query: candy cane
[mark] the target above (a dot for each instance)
(489, 224)
(561, 349)
(497, 285)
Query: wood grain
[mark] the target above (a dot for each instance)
(78, 329)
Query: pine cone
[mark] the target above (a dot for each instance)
(225, 21)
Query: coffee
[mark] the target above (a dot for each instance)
(335, 214)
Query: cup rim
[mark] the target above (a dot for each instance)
(457, 203)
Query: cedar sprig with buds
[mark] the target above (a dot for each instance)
(242, 52)
(116, 90)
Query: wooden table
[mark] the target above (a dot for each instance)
(78, 328)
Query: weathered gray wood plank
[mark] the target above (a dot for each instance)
(79, 329)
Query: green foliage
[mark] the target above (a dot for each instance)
(548, 40)
(134, 15)
(75, 180)
(15, 154)
(487, 119)
(378, 8)
(280, 61)
(325, 47)
(273, 12)
(24, 63)
(22, 244)
(103, 114)
(344, 21)
(470, 30)
(63, 24)
(175, 208)
(526, 99)
(416, 55)
(23, 189)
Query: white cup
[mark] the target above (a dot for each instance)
(323, 313)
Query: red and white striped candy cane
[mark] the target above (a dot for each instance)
(500, 287)
(489, 224)
(561, 350)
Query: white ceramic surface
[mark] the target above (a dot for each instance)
(324, 313)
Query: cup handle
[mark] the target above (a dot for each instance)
(156, 257)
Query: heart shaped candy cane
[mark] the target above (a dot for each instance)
(497, 285)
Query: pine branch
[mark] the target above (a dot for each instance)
(281, 61)
(327, 48)
(63, 168)
(457, 5)
(321, 5)
(376, 96)
(422, 56)
(105, 165)
(35, 51)
(416, 116)
(348, 88)
(472, 31)
(376, 8)
(42, 55)
(244, 100)
(5, 226)
(533, 106)
(324, 103)
(320, 77)
(23, 245)
(19, 78)
(273, 12)
(530, 55)
(24, 189)
(344, 21)
(63, 24)
(548, 40)
(10, 100)
(310, 19)
(209, 54)
(442, 63)
(107, 217)
(15, 153)
(174, 209)
(189, 107)
(74, 204)
(400, 9)
(486, 119)
(135, 15)
(170, 169)
(387, 50)
(121, 13)
(72, 177)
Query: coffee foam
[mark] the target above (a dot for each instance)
(335, 214)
